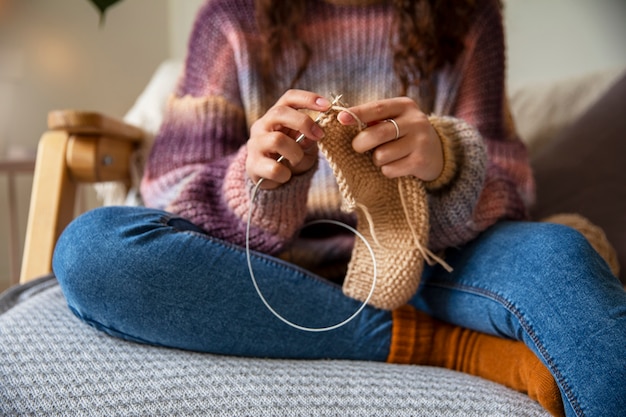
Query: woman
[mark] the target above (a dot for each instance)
(528, 305)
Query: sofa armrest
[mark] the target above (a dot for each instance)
(79, 147)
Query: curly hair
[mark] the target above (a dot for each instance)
(428, 35)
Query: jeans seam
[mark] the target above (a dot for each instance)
(110, 331)
(527, 328)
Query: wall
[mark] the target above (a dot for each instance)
(69, 61)
(181, 14)
(552, 39)
(546, 40)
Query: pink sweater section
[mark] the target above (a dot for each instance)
(197, 165)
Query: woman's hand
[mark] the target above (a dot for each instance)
(274, 135)
(413, 148)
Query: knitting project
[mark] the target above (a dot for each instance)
(392, 214)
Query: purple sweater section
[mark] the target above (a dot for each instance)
(197, 165)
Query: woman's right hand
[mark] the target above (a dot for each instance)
(275, 134)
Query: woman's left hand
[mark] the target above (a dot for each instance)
(410, 146)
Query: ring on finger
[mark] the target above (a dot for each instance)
(396, 126)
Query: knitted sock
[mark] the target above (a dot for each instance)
(392, 215)
(421, 340)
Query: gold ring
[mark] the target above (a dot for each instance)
(396, 126)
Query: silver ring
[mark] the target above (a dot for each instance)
(396, 126)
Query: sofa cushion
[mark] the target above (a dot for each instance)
(53, 364)
(542, 109)
(583, 169)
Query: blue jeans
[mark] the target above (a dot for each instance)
(151, 277)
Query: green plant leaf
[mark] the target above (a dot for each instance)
(102, 6)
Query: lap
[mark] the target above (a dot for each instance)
(151, 276)
(524, 269)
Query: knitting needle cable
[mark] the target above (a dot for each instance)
(337, 223)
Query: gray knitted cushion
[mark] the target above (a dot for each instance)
(53, 364)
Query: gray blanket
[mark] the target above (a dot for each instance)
(52, 364)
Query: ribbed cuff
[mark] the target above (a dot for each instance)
(450, 149)
(279, 212)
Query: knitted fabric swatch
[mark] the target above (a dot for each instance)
(392, 214)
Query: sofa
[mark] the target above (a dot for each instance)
(53, 364)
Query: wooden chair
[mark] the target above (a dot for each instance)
(79, 147)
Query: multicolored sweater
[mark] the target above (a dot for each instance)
(197, 165)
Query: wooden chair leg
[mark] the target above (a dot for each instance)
(52, 205)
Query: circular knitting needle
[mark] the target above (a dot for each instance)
(335, 101)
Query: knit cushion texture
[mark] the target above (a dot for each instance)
(53, 364)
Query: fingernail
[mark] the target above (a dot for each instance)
(322, 102)
(345, 118)
(318, 132)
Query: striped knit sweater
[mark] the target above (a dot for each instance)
(197, 165)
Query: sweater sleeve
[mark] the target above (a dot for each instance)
(493, 179)
(196, 167)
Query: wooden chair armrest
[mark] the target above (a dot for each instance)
(80, 147)
(92, 123)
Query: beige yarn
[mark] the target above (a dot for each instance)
(392, 214)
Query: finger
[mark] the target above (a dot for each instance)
(376, 135)
(274, 146)
(278, 145)
(397, 168)
(389, 153)
(377, 111)
(272, 172)
(395, 159)
(289, 121)
(302, 99)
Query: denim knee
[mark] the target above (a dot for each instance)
(77, 243)
(86, 239)
(565, 253)
(99, 249)
(528, 269)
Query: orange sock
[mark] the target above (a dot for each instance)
(421, 340)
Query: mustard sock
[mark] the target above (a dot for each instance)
(421, 340)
